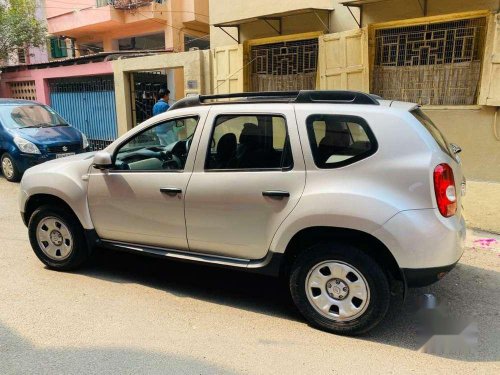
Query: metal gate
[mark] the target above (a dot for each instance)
(88, 104)
(284, 66)
(144, 89)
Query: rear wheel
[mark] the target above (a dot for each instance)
(57, 238)
(9, 169)
(340, 289)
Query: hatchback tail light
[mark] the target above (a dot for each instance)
(444, 186)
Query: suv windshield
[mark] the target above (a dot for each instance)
(15, 116)
(435, 132)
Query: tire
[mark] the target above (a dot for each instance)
(9, 168)
(57, 238)
(336, 275)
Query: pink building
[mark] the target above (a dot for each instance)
(88, 34)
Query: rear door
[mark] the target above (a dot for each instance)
(249, 175)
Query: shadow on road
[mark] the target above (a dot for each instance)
(17, 356)
(466, 292)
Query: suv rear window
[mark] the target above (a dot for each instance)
(338, 140)
(431, 128)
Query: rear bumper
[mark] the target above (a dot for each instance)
(419, 277)
(423, 239)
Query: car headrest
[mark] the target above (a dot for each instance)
(227, 145)
(250, 135)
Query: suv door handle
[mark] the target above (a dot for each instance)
(171, 191)
(279, 194)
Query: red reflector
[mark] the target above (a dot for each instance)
(444, 186)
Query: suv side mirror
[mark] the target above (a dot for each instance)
(102, 160)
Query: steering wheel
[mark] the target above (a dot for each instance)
(188, 145)
(170, 160)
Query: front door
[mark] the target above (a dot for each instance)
(141, 199)
(248, 177)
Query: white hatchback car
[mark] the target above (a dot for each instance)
(346, 196)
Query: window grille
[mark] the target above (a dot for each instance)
(284, 66)
(21, 56)
(433, 63)
(23, 90)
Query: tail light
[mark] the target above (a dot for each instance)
(444, 186)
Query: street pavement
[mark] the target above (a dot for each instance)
(125, 314)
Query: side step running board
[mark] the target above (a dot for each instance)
(190, 256)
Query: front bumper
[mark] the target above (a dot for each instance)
(25, 161)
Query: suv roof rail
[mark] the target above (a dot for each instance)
(302, 96)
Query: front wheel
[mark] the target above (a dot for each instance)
(9, 168)
(340, 289)
(57, 238)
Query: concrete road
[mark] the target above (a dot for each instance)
(125, 314)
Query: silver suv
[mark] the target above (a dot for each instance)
(346, 196)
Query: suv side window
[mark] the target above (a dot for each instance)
(246, 142)
(164, 146)
(338, 140)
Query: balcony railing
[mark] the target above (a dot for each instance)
(127, 4)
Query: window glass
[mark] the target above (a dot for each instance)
(162, 147)
(249, 142)
(339, 140)
(431, 128)
(29, 115)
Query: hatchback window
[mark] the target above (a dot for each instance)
(432, 129)
(29, 116)
(249, 142)
(338, 140)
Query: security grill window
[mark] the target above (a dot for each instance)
(284, 66)
(433, 63)
(21, 56)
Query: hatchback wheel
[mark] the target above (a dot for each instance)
(9, 169)
(57, 238)
(339, 288)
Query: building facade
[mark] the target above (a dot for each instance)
(442, 54)
(87, 36)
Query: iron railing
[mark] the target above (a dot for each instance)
(126, 4)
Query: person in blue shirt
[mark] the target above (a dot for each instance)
(162, 104)
(164, 132)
